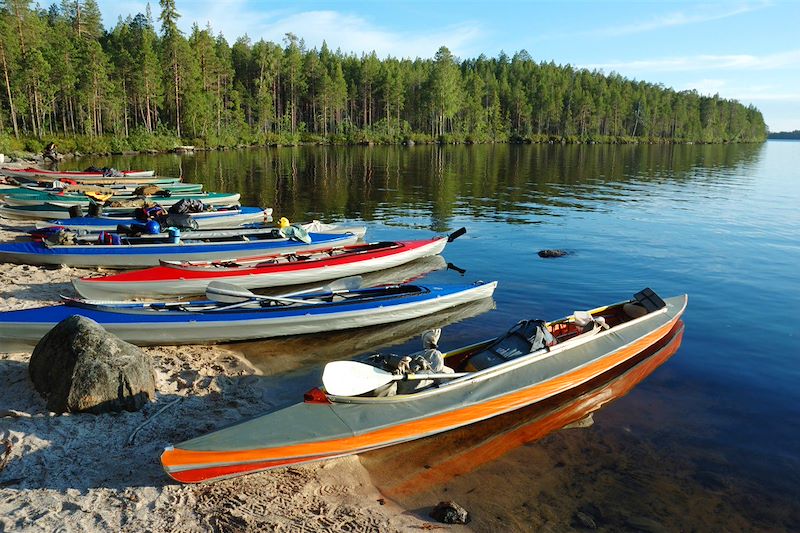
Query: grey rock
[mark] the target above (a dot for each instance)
(552, 253)
(80, 367)
(450, 513)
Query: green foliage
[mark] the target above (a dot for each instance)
(9, 144)
(133, 88)
(34, 145)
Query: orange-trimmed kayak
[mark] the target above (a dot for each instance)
(493, 377)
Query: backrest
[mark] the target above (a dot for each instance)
(649, 300)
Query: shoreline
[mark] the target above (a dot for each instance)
(78, 471)
(23, 158)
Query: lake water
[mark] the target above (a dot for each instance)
(710, 440)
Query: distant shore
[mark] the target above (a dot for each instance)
(23, 156)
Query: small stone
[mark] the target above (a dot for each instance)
(552, 253)
(450, 512)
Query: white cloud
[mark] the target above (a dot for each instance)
(705, 62)
(354, 33)
(348, 31)
(681, 18)
(351, 33)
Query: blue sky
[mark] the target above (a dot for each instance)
(746, 50)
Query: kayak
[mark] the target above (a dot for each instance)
(253, 317)
(49, 211)
(251, 232)
(34, 179)
(530, 363)
(68, 200)
(434, 461)
(143, 251)
(71, 174)
(187, 278)
(120, 190)
(221, 218)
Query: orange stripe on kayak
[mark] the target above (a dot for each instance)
(176, 458)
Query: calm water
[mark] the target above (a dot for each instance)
(710, 440)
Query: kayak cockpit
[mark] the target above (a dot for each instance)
(527, 342)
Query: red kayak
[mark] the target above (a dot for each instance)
(55, 174)
(188, 278)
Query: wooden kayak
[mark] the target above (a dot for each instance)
(277, 270)
(488, 379)
(253, 317)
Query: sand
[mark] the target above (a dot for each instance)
(83, 472)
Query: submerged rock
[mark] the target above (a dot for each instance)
(80, 367)
(450, 513)
(552, 253)
(581, 519)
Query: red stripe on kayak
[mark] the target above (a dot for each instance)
(166, 273)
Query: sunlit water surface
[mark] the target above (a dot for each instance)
(709, 441)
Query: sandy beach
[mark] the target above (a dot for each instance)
(84, 472)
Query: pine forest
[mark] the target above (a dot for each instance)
(145, 84)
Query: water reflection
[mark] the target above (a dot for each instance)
(414, 473)
(304, 352)
(427, 186)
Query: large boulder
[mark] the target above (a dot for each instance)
(80, 367)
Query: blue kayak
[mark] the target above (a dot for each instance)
(134, 252)
(253, 317)
(220, 219)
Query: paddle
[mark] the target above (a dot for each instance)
(456, 234)
(461, 271)
(351, 378)
(228, 293)
(350, 283)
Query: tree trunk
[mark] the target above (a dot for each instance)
(8, 91)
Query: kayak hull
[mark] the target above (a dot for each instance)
(25, 328)
(52, 212)
(316, 430)
(186, 279)
(233, 218)
(76, 175)
(67, 201)
(142, 255)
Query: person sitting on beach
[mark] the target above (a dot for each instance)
(50, 155)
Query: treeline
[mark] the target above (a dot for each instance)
(134, 87)
(794, 135)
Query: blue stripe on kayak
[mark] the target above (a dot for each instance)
(187, 249)
(93, 221)
(57, 313)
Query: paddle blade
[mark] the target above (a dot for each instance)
(219, 291)
(340, 285)
(350, 378)
(345, 284)
(456, 234)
